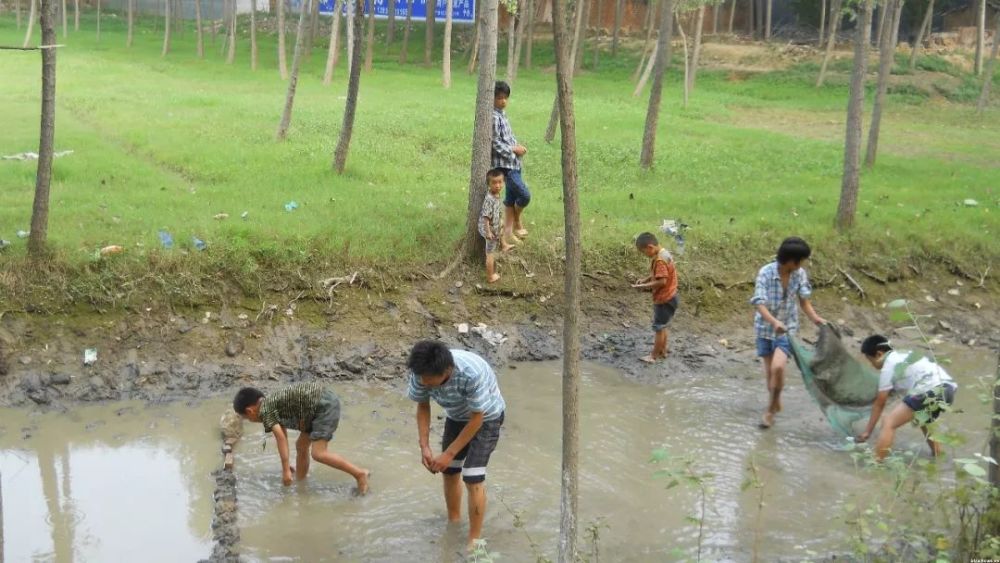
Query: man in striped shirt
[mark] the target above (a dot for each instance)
(311, 409)
(466, 387)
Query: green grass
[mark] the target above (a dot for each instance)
(169, 143)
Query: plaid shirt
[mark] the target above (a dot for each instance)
(782, 304)
(292, 407)
(504, 143)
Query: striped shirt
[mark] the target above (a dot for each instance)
(292, 407)
(504, 143)
(471, 388)
(782, 304)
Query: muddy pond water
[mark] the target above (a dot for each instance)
(127, 482)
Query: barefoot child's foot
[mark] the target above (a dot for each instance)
(767, 420)
(521, 232)
(513, 240)
(649, 359)
(363, 483)
(494, 278)
(506, 247)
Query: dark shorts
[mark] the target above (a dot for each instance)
(472, 460)
(767, 347)
(932, 402)
(663, 312)
(327, 418)
(517, 190)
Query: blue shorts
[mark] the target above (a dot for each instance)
(517, 191)
(767, 347)
(932, 402)
(663, 312)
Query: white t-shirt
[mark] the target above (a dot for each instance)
(910, 373)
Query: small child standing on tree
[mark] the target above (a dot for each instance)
(490, 226)
(662, 281)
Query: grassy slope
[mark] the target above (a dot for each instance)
(170, 143)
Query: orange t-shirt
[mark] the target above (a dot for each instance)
(663, 268)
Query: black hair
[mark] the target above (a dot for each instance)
(429, 357)
(645, 239)
(493, 173)
(793, 249)
(874, 344)
(246, 397)
(501, 88)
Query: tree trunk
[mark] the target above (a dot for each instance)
(351, 32)
(645, 75)
(822, 23)
(597, 33)
(732, 16)
(647, 44)
(767, 20)
(293, 80)
(656, 91)
(43, 177)
(482, 132)
(131, 23)
(473, 57)
(313, 28)
(519, 44)
(199, 32)
(569, 495)
(446, 51)
(835, 17)
(65, 22)
(76, 15)
(353, 83)
(696, 54)
(98, 20)
(984, 94)
(750, 11)
(282, 55)
(253, 34)
(429, 33)
(981, 36)
(231, 51)
(333, 51)
(617, 29)
(882, 9)
(511, 39)
(582, 40)
(166, 27)
(715, 19)
(17, 12)
(886, 60)
(685, 91)
(406, 33)
(852, 143)
(926, 25)
(530, 32)
(390, 32)
(550, 131)
(370, 40)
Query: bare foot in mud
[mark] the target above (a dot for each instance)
(767, 421)
(494, 279)
(363, 483)
(650, 359)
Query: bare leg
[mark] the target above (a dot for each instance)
(477, 510)
(508, 223)
(778, 362)
(900, 415)
(453, 495)
(321, 454)
(302, 456)
(768, 419)
(936, 449)
(660, 344)
(491, 275)
(519, 229)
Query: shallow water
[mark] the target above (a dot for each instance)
(127, 482)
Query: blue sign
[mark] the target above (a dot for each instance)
(462, 11)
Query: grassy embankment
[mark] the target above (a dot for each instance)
(169, 143)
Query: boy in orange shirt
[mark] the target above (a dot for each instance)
(663, 283)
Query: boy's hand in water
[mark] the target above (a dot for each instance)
(442, 462)
(863, 437)
(427, 458)
(286, 476)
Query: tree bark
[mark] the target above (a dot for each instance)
(353, 83)
(550, 131)
(581, 42)
(429, 33)
(645, 75)
(98, 20)
(822, 23)
(370, 40)
(32, 14)
(474, 56)
(351, 32)
(981, 36)
(282, 55)
(166, 27)
(46, 139)
(597, 33)
(835, 17)
(767, 20)
(530, 32)
(231, 51)
(750, 12)
(313, 28)
(65, 23)
(656, 91)
(199, 32)
(696, 54)
(333, 51)
(852, 142)
(984, 94)
(17, 12)
(519, 44)
(882, 9)
(687, 66)
(406, 33)
(617, 29)
(76, 15)
(253, 34)
(482, 132)
(293, 80)
(446, 51)
(569, 490)
(390, 32)
(650, 13)
(131, 22)
(886, 59)
(511, 39)
(924, 27)
(732, 16)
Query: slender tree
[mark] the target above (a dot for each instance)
(429, 34)
(715, 19)
(46, 137)
(17, 12)
(984, 94)
(482, 131)
(732, 16)
(253, 34)
(617, 29)
(65, 22)
(835, 16)
(822, 23)
(647, 45)
(924, 28)
(404, 51)
(767, 20)
(511, 31)
(199, 32)
(231, 49)
(578, 9)
(886, 59)
(76, 14)
(129, 38)
(166, 27)
(656, 91)
(32, 14)
(293, 80)
(282, 55)
(333, 52)
(370, 40)
(569, 495)
(686, 90)
(981, 36)
(597, 32)
(645, 75)
(882, 11)
(519, 44)
(353, 83)
(390, 31)
(581, 42)
(98, 20)
(313, 28)
(446, 52)
(852, 142)
(351, 32)
(696, 53)
(529, 32)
